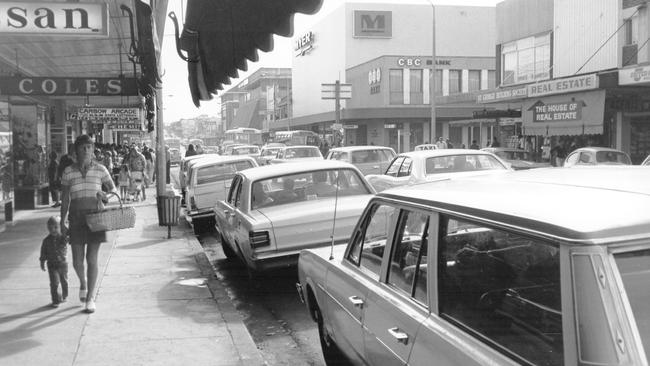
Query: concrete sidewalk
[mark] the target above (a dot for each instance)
(158, 302)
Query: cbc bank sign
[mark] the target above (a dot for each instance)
(373, 24)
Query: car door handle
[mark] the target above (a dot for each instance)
(399, 335)
(356, 301)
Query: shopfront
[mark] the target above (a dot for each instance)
(6, 166)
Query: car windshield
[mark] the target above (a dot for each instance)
(634, 268)
(339, 155)
(370, 156)
(308, 186)
(303, 152)
(220, 172)
(461, 163)
(612, 157)
(246, 150)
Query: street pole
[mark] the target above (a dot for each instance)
(161, 154)
(432, 78)
(337, 103)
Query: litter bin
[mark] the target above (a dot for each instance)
(169, 207)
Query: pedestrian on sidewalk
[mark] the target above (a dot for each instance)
(53, 179)
(81, 189)
(54, 251)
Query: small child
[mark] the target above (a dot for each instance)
(138, 179)
(124, 181)
(54, 251)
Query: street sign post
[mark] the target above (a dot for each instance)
(336, 91)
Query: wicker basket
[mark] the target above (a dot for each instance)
(111, 218)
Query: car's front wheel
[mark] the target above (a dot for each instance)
(331, 352)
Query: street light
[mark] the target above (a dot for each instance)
(432, 78)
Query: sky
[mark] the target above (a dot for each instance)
(177, 100)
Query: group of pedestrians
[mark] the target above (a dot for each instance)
(79, 181)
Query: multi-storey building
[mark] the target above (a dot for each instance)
(577, 72)
(256, 101)
(384, 51)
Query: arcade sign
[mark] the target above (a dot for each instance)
(54, 18)
(12, 85)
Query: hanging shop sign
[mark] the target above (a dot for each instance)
(350, 127)
(634, 76)
(561, 86)
(52, 18)
(555, 112)
(496, 113)
(126, 115)
(10, 85)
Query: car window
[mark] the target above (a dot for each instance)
(232, 193)
(503, 288)
(393, 168)
(307, 186)
(408, 265)
(367, 249)
(633, 267)
(612, 157)
(238, 195)
(386, 155)
(338, 155)
(405, 169)
(296, 153)
(572, 159)
(461, 163)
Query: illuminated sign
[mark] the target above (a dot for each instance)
(52, 18)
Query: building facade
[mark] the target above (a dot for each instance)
(383, 51)
(575, 72)
(263, 96)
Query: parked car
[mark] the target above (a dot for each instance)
(174, 156)
(294, 154)
(369, 159)
(431, 165)
(208, 180)
(269, 153)
(597, 156)
(518, 159)
(273, 212)
(184, 168)
(248, 150)
(646, 161)
(542, 267)
(425, 147)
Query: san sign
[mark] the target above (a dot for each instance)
(54, 18)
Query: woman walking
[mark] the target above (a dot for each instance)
(81, 189)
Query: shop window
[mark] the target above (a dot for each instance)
(417, 97)
(455, 81)
(526, 60)
(396, 85)
(438, 82)
(474, 80)
(631, 30)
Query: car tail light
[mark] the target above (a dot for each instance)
(259, 239)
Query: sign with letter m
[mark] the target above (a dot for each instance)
(373, 24)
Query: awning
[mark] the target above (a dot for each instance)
(567, 114)
(219, 36)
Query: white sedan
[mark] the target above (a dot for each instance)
(432, 165)
(295, 154)
(273, 212)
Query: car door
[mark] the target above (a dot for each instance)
(347, 285)
(388, 179)
(228, 210)
(399, 304)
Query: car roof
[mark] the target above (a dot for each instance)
(596, 149)
(221, 159)
(492, 149)
(245, 146)
(273, 170)
(443, 152)
(360, 147)
(300, 147)
(581, 206)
